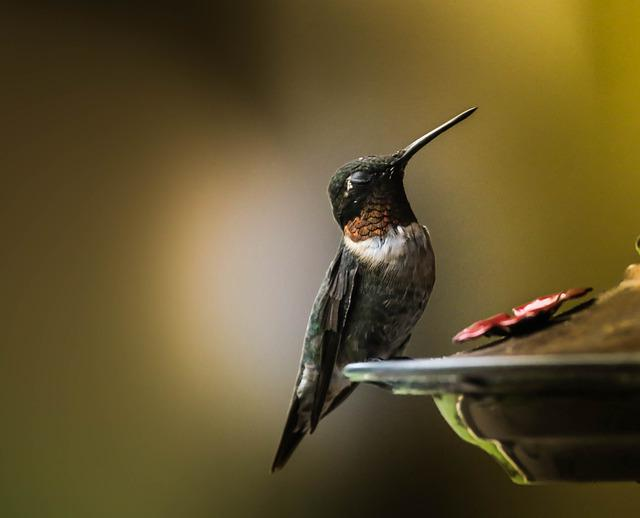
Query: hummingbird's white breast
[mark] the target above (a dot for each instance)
(393, 248)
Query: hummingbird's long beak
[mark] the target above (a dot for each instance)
(418, 144)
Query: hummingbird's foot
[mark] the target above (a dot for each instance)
(378, 359)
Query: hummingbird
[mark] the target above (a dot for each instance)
(374, 292)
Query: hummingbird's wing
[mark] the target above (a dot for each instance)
(322, 346)
(334, 313)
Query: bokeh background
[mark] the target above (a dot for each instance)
(165, 227)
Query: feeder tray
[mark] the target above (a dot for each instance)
(561, 404)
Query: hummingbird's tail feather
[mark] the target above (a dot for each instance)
(340, 398)
(290, 437)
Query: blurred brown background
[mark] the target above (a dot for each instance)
(165, 227)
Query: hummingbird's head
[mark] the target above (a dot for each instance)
(368, 193)
(355, 183)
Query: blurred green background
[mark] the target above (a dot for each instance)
(165, 227)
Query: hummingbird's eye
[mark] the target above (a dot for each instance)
(360, 177)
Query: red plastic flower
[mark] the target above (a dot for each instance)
(525, 318)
